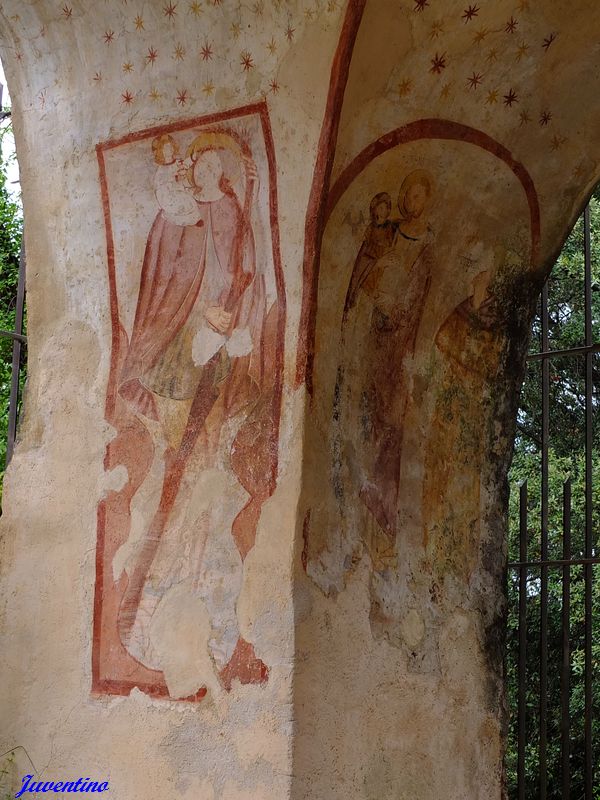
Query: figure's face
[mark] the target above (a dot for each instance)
(169, 152)
(208, 170)
(415, 199)
(381, 213)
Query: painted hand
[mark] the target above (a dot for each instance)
(218, 319)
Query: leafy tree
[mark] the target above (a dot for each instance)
(11, 230)
(566, 461)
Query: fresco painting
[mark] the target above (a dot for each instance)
(406, 349)
(194, 394)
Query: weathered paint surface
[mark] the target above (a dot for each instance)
(194, 394)
(281, 260)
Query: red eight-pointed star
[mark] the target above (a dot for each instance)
(67, 11)
(289, 33)
(438, 63)
(548, 41)
(246, 60)
(170, 10)
(127, 97)
(182, 97)
(510, 98)
(470, 12)
(152, 55)
(511, 25)
(274, 86)
(420, 5)
(206, 52)
(545, 118)
(109, 36)
(475, 80)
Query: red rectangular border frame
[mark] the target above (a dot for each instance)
(102, 685)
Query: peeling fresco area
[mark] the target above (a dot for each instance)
(193, 395)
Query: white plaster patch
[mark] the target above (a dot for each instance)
(179, 632)
(114, 480)
(412, 628)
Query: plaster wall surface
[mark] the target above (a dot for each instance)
(282, 258)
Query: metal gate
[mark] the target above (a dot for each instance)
(553, 578)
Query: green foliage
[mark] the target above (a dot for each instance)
(566, 461)
(11, 228)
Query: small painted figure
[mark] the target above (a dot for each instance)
(172, 191)
(379, 239)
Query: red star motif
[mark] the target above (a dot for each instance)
(127, 97)
(274, 86)
(109, 36)
(19, 55)
(152, 55)
(216, 2)
(470, 12)
(511, 25)
(182, 97)
(289, 33)
(246, 60)
(67, 11)
(475, 80)
(98, 77)
(420, 5)
(170, 10)
(511, 98)
(548, 41)
(545, 118)
(557, 142)
(206, 52)
(438, 63)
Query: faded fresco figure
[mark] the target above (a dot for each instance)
(193, 374)
(379, 240)
(170, 186)
(470, 344)
(384, 305)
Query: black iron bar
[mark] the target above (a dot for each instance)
(559, 562)
(522, 678)
(543, 700)
(13, 406)
(572, 351)
(12, 335)
(589, 388)
(565, 681)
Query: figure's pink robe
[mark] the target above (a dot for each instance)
(172, 279)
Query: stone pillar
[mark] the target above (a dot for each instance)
(282, 259)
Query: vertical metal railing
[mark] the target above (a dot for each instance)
(19, 342)
(531, 587)
(522, 674)
(565, 677)
(589, 536)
